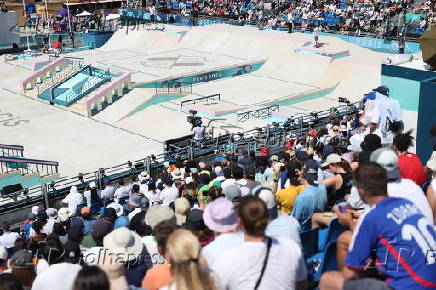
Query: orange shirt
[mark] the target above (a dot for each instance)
(157, 277)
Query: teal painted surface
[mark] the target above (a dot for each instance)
(426, 118)
(72, 89)
(25, 182)
(305, 98)
(404, 90)
(96, 39)
(205, 77)
(154, 101)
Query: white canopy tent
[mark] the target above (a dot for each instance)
(84, 13)
(112, 16)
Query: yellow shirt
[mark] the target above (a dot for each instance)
(285, 198)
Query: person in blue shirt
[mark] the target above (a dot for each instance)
(314, 196)
(393, 236)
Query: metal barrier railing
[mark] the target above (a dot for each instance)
(214, 97)
(11, 150)
(184, 88)
(272, 136)
(26, 165)
(70, 70)
(261, 113)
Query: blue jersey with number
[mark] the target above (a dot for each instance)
(402, 241)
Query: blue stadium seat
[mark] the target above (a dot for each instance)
(329, 234)
(322, 262)
(309, 241)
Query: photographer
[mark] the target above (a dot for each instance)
(198, 130)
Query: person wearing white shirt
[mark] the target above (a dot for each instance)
(240, 267)
(152, 193)
(108, 192)
(122, 191)
(169, 194)
(8, 238)
(73, 199)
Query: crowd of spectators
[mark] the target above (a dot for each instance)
(237, 221)
(345, 16)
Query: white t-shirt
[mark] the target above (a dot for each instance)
(152, 197)
(227, 182)
(403, 188)
(58, 276)
(240, 267)
(151, 245)
(107, 192)
(122, 191)
(8, 239)
(198, 133)
(223, 242)
(407, 189)
(169, 195)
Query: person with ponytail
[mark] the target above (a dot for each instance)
(410, 165)
(183, 253)
(261, 262)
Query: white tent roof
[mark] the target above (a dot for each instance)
(84, 13)
(112, 16)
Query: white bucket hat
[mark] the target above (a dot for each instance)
(123, 242)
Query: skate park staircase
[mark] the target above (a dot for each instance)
(19, 172)
(76, 86)
(55, 72)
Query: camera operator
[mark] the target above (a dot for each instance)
(198, 130)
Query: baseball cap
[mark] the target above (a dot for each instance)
(194, 221)
(332, 158)
(387, 159)
(310, 170)
(232, 192)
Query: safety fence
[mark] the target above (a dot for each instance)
(176, 88)
(261, 113)
(207, 99)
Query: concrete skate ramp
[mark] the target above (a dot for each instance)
(141, 40)
(124, 105)
(293, 67)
